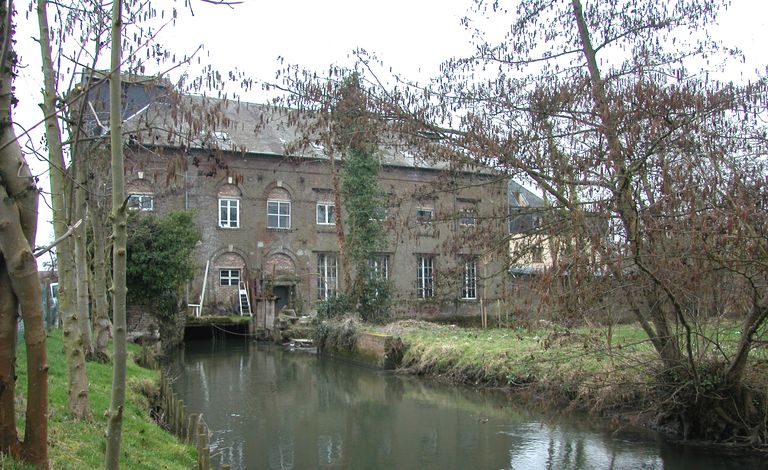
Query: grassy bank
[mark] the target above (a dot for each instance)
(588, 368)
(81, 445)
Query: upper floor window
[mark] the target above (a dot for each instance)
(520, 199)
(325, 213)
(537, 254)
(467, 218)
(229, 277)
(141, 202)
(278, 214)
(425, 214)
(229, 213)
(425, 276)
(379, 213)
(469, 281)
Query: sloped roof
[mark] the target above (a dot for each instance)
(529, 198)
(198, 122)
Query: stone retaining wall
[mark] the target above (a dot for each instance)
(372, 350)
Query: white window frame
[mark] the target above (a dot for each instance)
(425, 215)
(226, 219)
(283, 220)
(138, 202)
(232, 277)
(325, 213)
(425, 276)
(327, 276)
(54, 289)
(469, 280)
(379, 267)
(467, 218)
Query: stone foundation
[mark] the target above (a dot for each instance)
(372, 350)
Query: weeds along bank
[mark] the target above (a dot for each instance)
(79, 445)
(611, 372)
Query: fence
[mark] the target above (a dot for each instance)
(188, 428)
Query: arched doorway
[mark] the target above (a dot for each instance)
(280, 277)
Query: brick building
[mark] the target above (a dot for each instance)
(267, 216)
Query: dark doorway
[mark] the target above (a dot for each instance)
(283, 294)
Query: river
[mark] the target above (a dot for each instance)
(269, 408)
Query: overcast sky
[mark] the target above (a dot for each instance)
(412, 36)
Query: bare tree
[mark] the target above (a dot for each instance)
(119, 223)
(72, 313)
(19, 282)
(651, 173)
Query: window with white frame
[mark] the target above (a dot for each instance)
(229, 277)
(141, 202)
(425, 214)
(229, 213)
(278, 214)
(326, 213)
(379, 267)
(467, 218)
(327, 276)
(469, 282)
(425, 279)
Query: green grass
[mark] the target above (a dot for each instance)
(80, 445)
(579, 364)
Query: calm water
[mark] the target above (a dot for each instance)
(273, 409)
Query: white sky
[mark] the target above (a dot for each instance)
(412, 36)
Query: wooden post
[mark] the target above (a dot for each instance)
(179, 423)
(203, 451)
(189, 435)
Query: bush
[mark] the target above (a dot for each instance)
(334, 307)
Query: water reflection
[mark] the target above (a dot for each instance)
(273, 409)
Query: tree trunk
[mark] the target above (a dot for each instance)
(340, 237)
(101, 323)
(81, 252)
(79, 403)
(81, 258)
(622, 192)
(119, 223)
(752, 323)
(9, 439)
(21, 267)
(18, 224)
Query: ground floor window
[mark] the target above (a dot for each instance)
(327, 276)
(379, 267)
(141, 202)
(425, 276)
(229, 277)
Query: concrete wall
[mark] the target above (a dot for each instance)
(372, 350)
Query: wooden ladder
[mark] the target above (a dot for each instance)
(245, 301)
